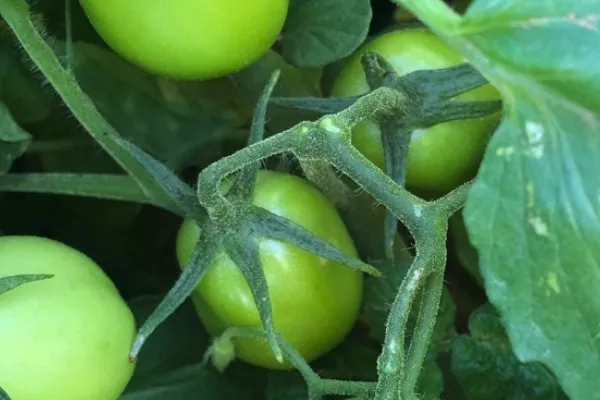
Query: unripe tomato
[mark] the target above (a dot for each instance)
(67, 337)
(440, 157)
(188, 39)
(315, 301)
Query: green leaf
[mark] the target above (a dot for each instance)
(533, 212)
(467, 254)
(431, 380)
(285, 386)
(353, 359)
(16, 15)
(20, 90)
(318, 32)
(176, 121)
(12, 282)
(101, 186)
(487, 368)
(13, 140)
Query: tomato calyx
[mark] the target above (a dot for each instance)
(228, 223)
(431, 94)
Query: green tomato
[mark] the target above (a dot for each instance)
(188, 39)
(315, 301)
(440, 157)
(67, 337)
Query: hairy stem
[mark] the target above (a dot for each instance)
(209, 179)
(403, 204)
(391, 361)
(432, 294)
(364, 390)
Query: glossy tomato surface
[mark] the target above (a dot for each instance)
(188, 39)
(67, 337)
(315, 301)
(440, 157)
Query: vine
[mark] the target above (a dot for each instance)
(416, 99)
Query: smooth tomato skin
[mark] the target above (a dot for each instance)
(315, 301)
(188, 39)
(440, 157)
(67, 337)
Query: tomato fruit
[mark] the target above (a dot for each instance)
(67, 337)
(188, 39)
(440, 157)
(315, 301)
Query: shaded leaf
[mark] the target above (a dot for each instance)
(285, 386)
(487, 368)
(353, 359)
(318, 32)
(188, 382)
(200, 259)
(175, 121)
(20, 90)
(381, 292)
(16, 15)
(467, 254)
(180, 340)
(100, 186)
(13, 140)
(293, 82)
(431, 380)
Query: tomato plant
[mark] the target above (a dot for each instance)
(315, 301)
(188, 39)
(439, 157)
(141, 136)
(66, 337)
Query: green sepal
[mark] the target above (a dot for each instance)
(329, 105)
(4, 395)
(268, 225)
(396, 139)
(202, 256)
(183, 196)
(246, 179)
(12, 282)
(243, 251)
